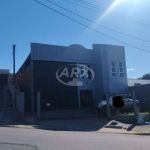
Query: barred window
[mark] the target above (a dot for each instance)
(113, 69)
(121, 71)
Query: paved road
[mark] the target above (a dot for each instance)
(32, 139)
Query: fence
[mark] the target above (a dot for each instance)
(129, 113)
(6, 97)
(143, 95)
(61, 113)
(127, 110)
(20, 102)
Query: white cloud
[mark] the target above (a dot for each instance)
(131, 69)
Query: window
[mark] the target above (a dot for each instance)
(120, 65)
(113, 69)
(113, 64)
(121, 70)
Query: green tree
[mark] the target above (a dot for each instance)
(146, 76)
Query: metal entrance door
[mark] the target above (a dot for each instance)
(86, 98)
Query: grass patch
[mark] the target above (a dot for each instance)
(132, 113)
(145, 113)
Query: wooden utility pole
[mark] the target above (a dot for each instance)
(14, 76)
(134, 106)
(14, 79)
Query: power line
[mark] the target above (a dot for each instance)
(111, 15)
(140, 69)
(16, 51)
(8, 50)
(139, 60)
(117, 13)
(97, 23)
(5, 45)
(112, 12)
(22, 53)
(92, 28)
(8, 60)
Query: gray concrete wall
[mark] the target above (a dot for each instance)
(132, 82)
(73, 53)
(104, 55)
(100, 58)
(142, 93)
(116, 54)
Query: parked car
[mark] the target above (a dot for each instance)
(101, 105)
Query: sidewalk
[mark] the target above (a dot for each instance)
(92, 124)
(88, 124)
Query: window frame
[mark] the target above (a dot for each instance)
(121, 73)
(113, 66)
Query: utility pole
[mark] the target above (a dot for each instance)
(14, 76)
(14, 79)
(134, 106)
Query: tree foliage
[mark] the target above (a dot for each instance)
(146, 76)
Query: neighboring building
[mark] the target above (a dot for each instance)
(5, 93)
(40, 71)
(4, 76)
(11, 78)
(136, 82)
(142, 93)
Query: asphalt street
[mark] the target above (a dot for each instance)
(32, 139)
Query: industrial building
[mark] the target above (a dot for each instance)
(71, 77)
(6, 90)
(137, 82)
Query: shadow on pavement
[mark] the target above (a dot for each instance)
(14, 119)
(131, 127)
(86, 124)
(74, 124)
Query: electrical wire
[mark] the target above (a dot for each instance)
(22, 53)
(91, 28)
(15, 51)
(139, 69)
(8, 50)
(139, 60)
(8, 60)
(111, 15)
(104, 9)
(97, 23)
(5, 45)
